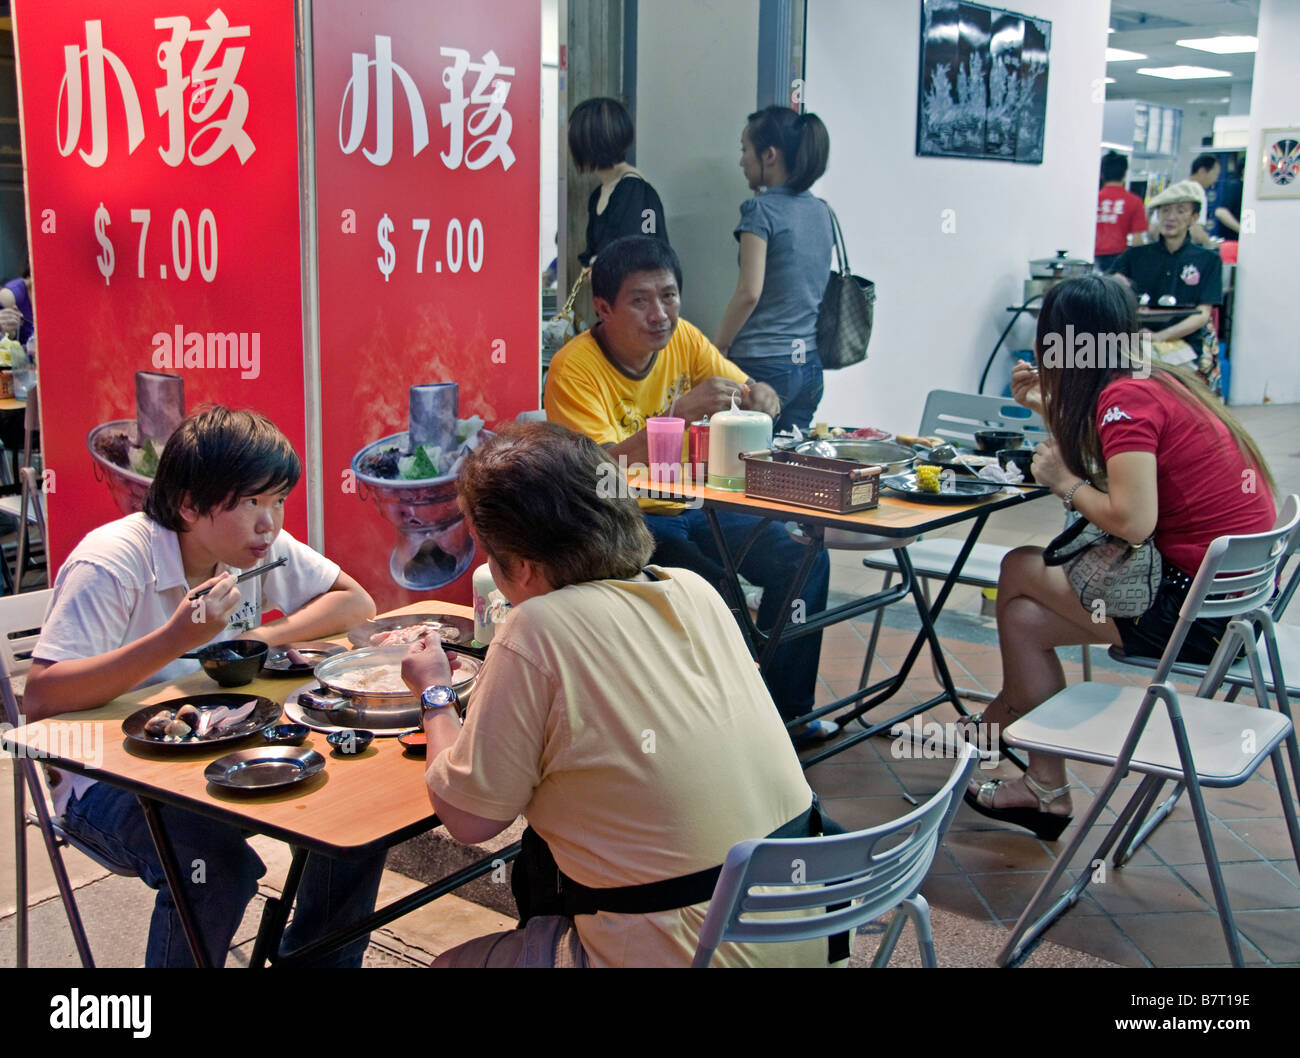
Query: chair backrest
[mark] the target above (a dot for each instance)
(956, 416)
(878, 868)
(1288, 591)
(21, 617)
(1237, 575)
(32, 412)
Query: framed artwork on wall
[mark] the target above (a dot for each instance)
(1279, 163)
(982, 88)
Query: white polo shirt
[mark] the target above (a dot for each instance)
(126, 579)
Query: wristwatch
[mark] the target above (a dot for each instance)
(438, 697)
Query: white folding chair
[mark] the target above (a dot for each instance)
(20, 628)
(849, 878)
(28, 507)
(1196, 741)
(1237, 677)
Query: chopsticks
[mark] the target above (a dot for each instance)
(245, 576)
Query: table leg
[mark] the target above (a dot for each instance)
(731, 566)
(167, 858)
(275, 914)
(398, 908)
(20, 858)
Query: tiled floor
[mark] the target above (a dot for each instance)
(1159, 910)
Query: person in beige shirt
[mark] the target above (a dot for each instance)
(619, 712)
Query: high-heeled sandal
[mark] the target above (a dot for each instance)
(1045, 825)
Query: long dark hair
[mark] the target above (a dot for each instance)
(1105, 308)
(802, 139)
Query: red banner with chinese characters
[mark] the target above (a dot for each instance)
(427, 181)
(160, 140)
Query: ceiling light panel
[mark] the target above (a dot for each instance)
(1183, 73)
(1222, 45)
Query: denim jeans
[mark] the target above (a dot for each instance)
(799, 386)
(686, 540)
(220, 871)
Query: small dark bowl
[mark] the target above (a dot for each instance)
(989, 441)
(233, 662)
(414, 742)
(1022, 457)
(286, 734)
(350, 743)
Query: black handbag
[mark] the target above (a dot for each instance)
(847, 310)
(1106, 569)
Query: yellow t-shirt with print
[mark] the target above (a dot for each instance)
(589, 394)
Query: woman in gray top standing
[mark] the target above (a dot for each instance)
(770, 326)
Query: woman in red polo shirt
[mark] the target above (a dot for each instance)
(1139, 451)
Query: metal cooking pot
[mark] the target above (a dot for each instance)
(1062, 266)
(336, 703)
(886, 454)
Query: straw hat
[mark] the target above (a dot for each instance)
(1183, 191)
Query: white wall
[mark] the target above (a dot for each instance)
(1266, 353)
(942, 298)
(697, 80)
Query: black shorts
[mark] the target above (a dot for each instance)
(1148, 635)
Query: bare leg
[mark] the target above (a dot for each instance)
(1038, 611)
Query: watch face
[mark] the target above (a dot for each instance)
(437, 697)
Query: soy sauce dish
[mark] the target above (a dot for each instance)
(350, 743)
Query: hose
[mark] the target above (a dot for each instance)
(993, 355)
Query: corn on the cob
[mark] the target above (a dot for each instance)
(927, 477)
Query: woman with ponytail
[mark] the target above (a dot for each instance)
(770, 326)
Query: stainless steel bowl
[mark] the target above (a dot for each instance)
(892, 457)
(339, 705)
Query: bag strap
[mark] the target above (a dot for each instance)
(567, 312)
(1056, 553)
(686, 890)
(841, 250)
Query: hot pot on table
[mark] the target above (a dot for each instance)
(346, 698)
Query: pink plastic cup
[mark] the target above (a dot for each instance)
(664, 437)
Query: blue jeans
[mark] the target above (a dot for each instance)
(799, 386)
(221, 873)
(686, 540)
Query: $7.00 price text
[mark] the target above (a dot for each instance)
(463, 246)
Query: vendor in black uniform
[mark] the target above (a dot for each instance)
(1179, 282)
(600, 133)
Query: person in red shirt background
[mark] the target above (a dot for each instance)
(1121, 216)
(1139, 449)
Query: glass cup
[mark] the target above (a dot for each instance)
(664, 438)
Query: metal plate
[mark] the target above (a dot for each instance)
(885, 454)
(264, 715)
(360, 636)
(977, 460)
(278, 663)
(269, 768)
(966, 490)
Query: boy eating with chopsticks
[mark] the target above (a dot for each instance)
(137, 593)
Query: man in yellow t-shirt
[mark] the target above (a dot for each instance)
(619, 712)
(641, 360)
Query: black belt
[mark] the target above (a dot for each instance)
(668, 894)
